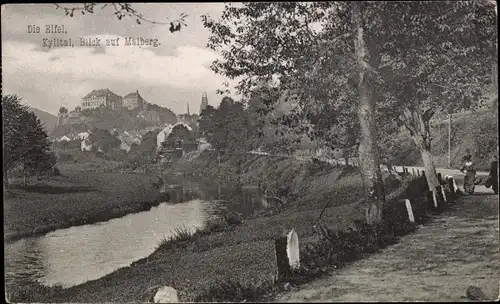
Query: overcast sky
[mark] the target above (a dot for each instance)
(173, 74)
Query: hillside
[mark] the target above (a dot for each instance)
(48, 120)
(121, 119)
(473, 130)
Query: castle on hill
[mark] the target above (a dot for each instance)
(132, 101)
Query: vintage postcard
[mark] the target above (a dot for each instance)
(336, 151)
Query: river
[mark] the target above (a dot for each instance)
(78, 254)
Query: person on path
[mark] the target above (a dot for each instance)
(470, 174)
(493, 176)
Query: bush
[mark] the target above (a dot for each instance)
(65, 157)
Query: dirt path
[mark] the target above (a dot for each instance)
(438, 262)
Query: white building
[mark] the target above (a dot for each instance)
(86, 145)
(82, 135)
(64, 138)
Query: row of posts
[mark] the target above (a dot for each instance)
(287, 246)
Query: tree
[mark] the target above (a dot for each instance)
(145, 152)
(420, 57)
(368, 149)
(436, 58)
(25, 140)
(103, 140)
(121, 10)
(178, 135)
(323, 70)
(231, 128)
(206, 121)
(63, 110)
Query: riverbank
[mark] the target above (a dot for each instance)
(76, 197)
(237, 258)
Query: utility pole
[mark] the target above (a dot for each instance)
(449, 140)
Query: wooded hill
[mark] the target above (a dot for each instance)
(121, 119)
(48, 120)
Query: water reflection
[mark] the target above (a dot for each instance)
(75, 255)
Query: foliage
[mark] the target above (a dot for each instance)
(417, 62)
(25, 141)
(437, 56)
(180, 134)
(121, 10)
(206, 121)
(231, 128)
(103, 140)
(166, 115)
(144, 153)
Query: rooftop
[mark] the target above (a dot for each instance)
(133, 95)
(100, 93)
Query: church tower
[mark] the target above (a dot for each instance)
(204, 101)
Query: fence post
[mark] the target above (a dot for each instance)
(283, 266)
(445, 199)
(451, 186)
(431, 200)
(439, 198)
(411, 217)
(292, 249)
(440, 178)
(425, 187)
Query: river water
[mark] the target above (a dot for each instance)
(78, 254)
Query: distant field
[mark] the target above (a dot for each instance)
(75, 198)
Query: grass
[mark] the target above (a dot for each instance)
(230, 259)
(75, 198)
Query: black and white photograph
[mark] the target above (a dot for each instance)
(168, 152)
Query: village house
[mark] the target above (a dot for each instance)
(64, 138)
(86, 146)
(82, 135)
(133, 101)
(101, 98)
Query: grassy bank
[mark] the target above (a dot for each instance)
(76, 197)
(231, 257)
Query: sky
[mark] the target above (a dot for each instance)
(173, 74)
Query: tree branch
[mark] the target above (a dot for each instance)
(120, 10)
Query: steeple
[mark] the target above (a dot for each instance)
(204, 101)
(187, 108)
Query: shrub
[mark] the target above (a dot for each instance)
(215, 225)
(65, 157)
(32, 292)
(233, 218)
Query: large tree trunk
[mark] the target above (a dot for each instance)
(424, 145)
(368, 150)
(418, 125)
